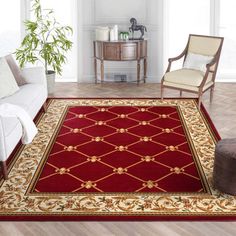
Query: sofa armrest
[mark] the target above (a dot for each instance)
(34, 75)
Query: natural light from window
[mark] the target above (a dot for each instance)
(10, 31)
(227, 29)
(65, 11)
(185, 17)
(210, 17)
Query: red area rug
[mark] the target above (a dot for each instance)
(120, 149)
(117, 159)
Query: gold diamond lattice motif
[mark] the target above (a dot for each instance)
(134, 137)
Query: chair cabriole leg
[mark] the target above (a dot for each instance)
(199, 100)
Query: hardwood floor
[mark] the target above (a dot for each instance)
(223, 113)
(222, 110)
(117, 229)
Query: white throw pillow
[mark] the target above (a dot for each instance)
(8, 85)
(197, 61)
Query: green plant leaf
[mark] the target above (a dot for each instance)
(45, 40)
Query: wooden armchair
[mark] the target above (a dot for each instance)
(201, 59)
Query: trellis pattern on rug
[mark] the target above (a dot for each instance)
(16, 200)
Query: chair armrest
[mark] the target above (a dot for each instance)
(176, 58)
(209, 70)
(170, 60)
(212, 63)
(35, 75)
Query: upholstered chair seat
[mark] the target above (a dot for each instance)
(186, 79)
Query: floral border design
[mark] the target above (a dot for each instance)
(14, 199)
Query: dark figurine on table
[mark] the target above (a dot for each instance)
(136, 27)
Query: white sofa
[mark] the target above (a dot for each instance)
(31, 97)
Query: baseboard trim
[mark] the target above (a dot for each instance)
(226, 81)
(150, 79)
(90, 79)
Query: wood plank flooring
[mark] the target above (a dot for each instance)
(223, 113)
(222, 110)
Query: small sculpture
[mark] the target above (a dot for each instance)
(136, 27)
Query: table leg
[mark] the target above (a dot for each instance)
(95, 70)
(145, 69)
(138, 72)
(102, 71)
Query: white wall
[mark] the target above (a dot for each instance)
(92, 13)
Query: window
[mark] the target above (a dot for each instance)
(227, 29)
(210, 17)
(64, 11)
(184, 17)
(10, 26)
(14, 12)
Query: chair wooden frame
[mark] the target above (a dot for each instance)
(211, 68)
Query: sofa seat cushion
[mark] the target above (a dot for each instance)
(27, 97)
(30, 97)
(185, 77)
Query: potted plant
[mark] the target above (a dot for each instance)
(46, 41)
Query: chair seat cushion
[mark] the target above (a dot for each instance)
(185, 77)
(187, 87)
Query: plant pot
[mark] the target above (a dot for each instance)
(51, 80)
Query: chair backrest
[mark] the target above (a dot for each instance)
(204, 45)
